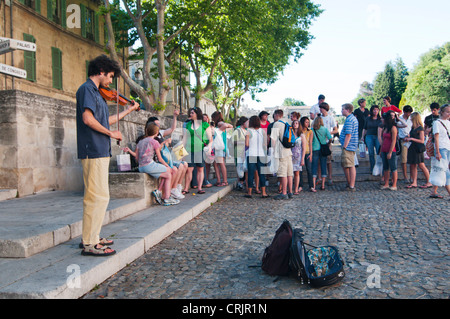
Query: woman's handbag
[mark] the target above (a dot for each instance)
(179, 151)
(420, 148)
(429, 146)
(324, 148)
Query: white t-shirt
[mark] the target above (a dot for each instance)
(329, 122)
(315, 109)
(404, 131)
(256, 142)
(444, 140)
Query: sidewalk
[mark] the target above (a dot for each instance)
(47, 222)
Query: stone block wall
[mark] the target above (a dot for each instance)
(38, 150)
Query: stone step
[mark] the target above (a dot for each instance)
(35, 223)
(61, 272)
(6, 194)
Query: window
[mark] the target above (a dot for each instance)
(33, 4)
(30, 59)
(57, 68)
(89, 24)
(56, 11)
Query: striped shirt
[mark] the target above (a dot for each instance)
(350, 127)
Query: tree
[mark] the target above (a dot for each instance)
(289, 101)
(429, 81)
(244, 43)
(390, 82)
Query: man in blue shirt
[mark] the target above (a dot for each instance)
(349, 142)
(94, 150)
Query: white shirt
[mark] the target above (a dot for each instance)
(315, 109)
(404, 131)
(256, 142)
(329, 122)
(444, 140)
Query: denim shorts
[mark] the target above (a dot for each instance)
(389, 165)
(153, 169)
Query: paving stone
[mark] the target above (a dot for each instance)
(212, 255)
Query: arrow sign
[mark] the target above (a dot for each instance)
(7, 69)
(7, 45)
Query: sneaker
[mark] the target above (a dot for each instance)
(158, 196)
(280, 197)
(176, 193)
(290, 195)
(171, 201)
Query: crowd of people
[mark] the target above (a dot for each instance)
(256, 147)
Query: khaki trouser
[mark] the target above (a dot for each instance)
(96, 197)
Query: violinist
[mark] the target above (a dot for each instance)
(94, 151)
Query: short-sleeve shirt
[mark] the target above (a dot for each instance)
(321, 136)
(90, 143)
(439, 126)
(385, 109)
(371, 126)
(361, 116)
(197, 138)
(350, 127)
(146, 150)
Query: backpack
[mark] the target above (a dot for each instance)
(275, 261)
(288, 140)
(317, 267)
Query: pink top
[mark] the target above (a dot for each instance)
(146, 150)
(387, 141)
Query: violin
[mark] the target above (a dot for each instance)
(112, 95)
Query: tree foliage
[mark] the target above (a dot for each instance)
(429, 80)
(244, 44)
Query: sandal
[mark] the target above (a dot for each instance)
(265, 196)
(248, 196)
(185, 192)
(201, 191)
(426, 186)
(412, 186)
(103, 241)
(95, 250)
(313, 190)
(436, 196)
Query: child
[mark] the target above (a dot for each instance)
(145, 151)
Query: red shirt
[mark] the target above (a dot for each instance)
(385, 109)
(265, 126)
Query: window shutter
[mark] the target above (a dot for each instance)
(38, 6)
(50, 10)
(96, 26)
(30, 59)
(63, 13)
(83, 20)
(57, 68)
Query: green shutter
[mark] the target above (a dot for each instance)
(30, 59)
(57, 68)
(96, 33)
(50, 10)
(83, 20)
(38, 6)
(63, 13)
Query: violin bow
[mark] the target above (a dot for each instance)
(118, 118)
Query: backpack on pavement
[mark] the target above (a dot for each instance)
(275, 261)
(317, 267)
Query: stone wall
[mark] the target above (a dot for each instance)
(38, 149)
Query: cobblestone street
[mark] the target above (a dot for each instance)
(400, 235)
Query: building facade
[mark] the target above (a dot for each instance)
(37, 113)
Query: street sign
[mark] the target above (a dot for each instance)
(8, 45)
(10, 70)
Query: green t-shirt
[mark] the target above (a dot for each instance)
(198, 138)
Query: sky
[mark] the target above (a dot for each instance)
(353, 42)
